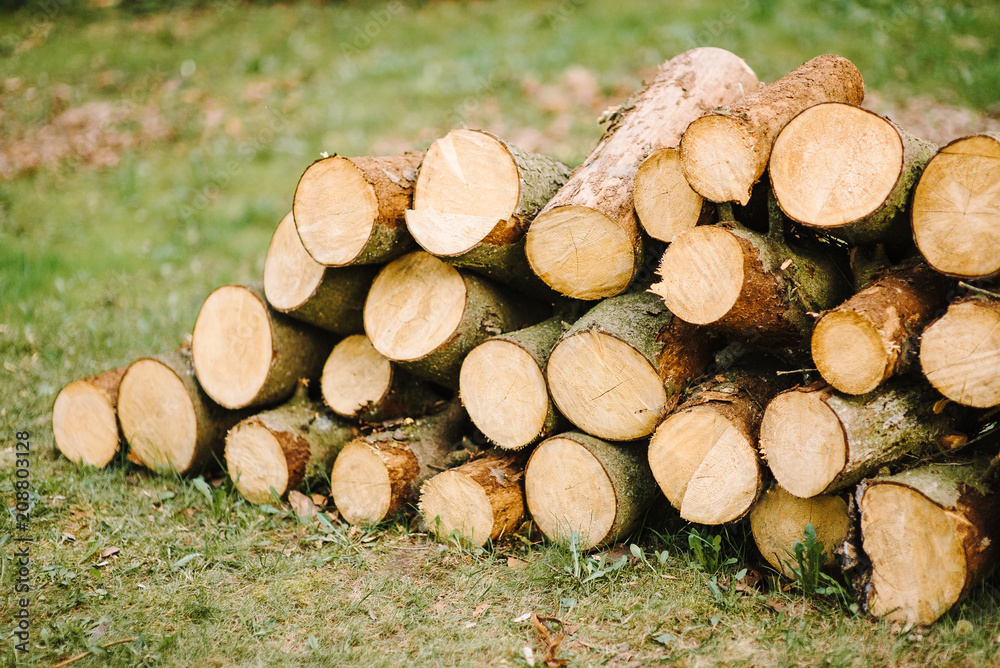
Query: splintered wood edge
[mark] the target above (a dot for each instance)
(415, 305)
(665, 203)
(232, 346)
(451, 502)
(85, 425)
(256, 461)
(504, 392)
(719, 160)
(803, 441)
(157, 416)
(355, 375)
(335, 210)
(956, 208)
(567, 490)
(834, 164)
(359, 484)
(291, 275)
(605, 386)
(849, 352)
(960, 354)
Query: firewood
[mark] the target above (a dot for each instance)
(247, 354)
(351, 210)
(960, 352)
(85, 419)
(586, 243)
(725, 152)
(665, 203)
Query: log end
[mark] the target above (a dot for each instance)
(449, 234)
(665, 203)
(959, 353)
(453, 503)
(158, 417)
(291, 275)
(85, 425)
(721, 159)
(355, 376)
(256, 462)
(849, 352)
(361, 485)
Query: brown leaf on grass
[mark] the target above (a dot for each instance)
(749, 582)
(517, 564)
(303, 506)
(319, 500)
(551, 641)
(109, 551)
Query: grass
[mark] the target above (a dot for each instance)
(108, 251)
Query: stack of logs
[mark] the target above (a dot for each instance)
(817, 343)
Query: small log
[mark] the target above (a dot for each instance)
(480, 500)
(360, 383)
(960, 352)
(724, 153)
(351, 210)
(956, 208)
(274, 452)
(169, 422)
(778, 519)
(847, 172)
(704, 454)
(931, 534)
(586, 243)
(575, 483)
(665, 203)
(502, 385)
(874, 335)
(247, 354)
(426, 315)
(377, 475)
(817, 441)
(297, 285)
(621, 367)
(85, 419)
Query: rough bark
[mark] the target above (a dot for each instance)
(960, 352)
(85, 419)
(665, 203)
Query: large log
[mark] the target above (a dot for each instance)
(665, 203)
(960, 352)
(621, 367)
(931, 534)
(586, 243)
(85, 419)
(725, 152)
(351, 210)
(955, 213)
(575, 483)
(847, 172)
(246, 354)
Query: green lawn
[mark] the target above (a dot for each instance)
(146, 159)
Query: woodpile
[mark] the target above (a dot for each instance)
(462, 331)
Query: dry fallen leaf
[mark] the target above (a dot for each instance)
(303, 506)
(109, 551)
(319, 500)
(517, 564)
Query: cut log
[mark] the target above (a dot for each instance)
(874, 335)
(778, 519)
(351, 210)
(474, 198)
(621, 367)
(360, 383)
(85, 419)
(847, 172)
(247, 354)
(502, 385)
(753, 287)
(379, 474)
(279, 450)
(169, 422)
(665, 203)
(725, 152)
(480, 500)
(817, 441)
(575, 483)
(704, 454)
(956, 208)
(931, 534)
(297, 285)
(426, 315)
(960, 352)
(586, 243)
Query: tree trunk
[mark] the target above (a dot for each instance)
(665, 203)
(874, 335)
(351, 210)
(818, 442)
(960, 352)
(297, 285)
(279, 450)
(704, 454)
(168, 421)
(248, 355)
(376, 475)
(502, 385)
(725, 152)
(575, 483)
(426, 315)
(586, 243)
(848, 172)
(956, 208)
(480, 500)
(623, 365)
(931, 535)
(85, 419)
(359, 383)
